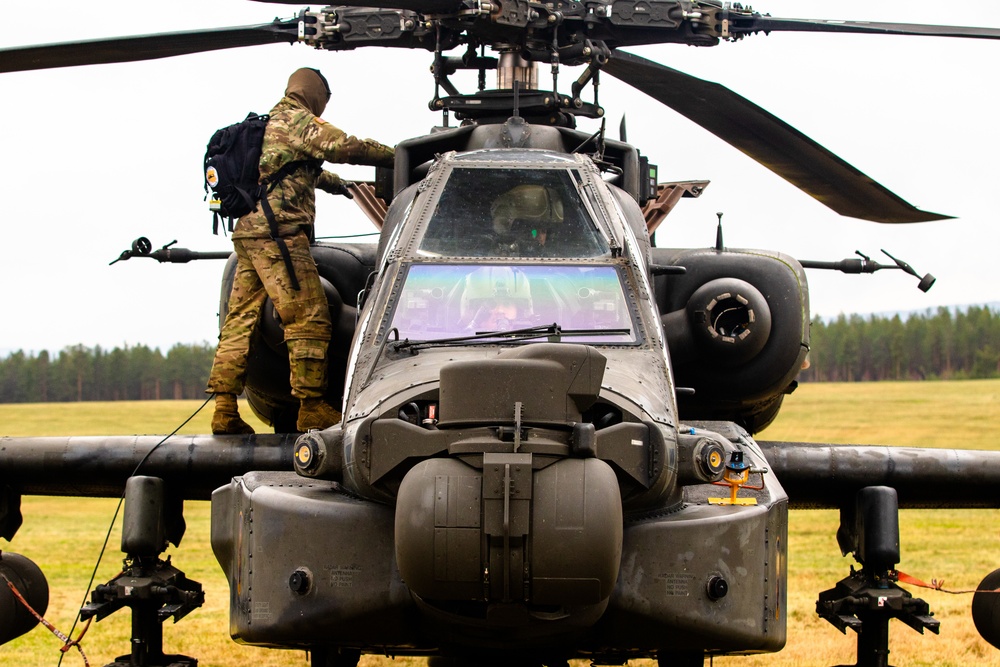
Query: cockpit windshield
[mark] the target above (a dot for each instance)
(511, 213)
(449, 300)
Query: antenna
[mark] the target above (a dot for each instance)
(517, 97)
(719, 247)
(621, 131)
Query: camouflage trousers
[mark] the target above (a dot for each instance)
(305, 315)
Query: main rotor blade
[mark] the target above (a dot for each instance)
(771, 24)
(768, 140)
(144, 47)
(419, 6)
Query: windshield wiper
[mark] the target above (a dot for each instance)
(553, 332)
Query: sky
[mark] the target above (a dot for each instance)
(94, 157)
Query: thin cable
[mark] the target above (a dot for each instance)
(121, 500)
(347, 236)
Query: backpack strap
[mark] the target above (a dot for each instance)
(287, 170)
(249, 198)
(216, 218)
(270, 182)
(282, 246)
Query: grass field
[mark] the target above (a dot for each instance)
(64, 536)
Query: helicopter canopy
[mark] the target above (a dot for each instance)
(525, 212)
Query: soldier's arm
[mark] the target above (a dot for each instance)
(334, 145)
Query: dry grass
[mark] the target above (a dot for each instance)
(111, 418)
(959, 546)
(64, 536)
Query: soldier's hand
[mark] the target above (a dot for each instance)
(342, 189)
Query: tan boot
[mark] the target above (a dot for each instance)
(226, 420)
(315, 413)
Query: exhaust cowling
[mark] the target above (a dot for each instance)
(726, 320)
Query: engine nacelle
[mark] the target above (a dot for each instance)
(737, 327)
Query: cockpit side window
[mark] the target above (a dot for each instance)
(511, 213)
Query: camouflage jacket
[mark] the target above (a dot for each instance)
(293, 133)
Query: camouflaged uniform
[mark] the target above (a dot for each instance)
(294, 132)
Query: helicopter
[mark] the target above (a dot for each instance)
(437, 429)
(803, 92)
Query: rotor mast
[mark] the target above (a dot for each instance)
(514, 67)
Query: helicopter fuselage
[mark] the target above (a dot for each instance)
(511, 473)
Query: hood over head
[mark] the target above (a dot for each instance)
(309, 88)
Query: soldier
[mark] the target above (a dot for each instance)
(495, 298)
(524, 217)
(273, 256)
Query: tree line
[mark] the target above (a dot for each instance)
(82, 373)
(934, 345)
(941, 344)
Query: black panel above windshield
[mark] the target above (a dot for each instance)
(512, 213)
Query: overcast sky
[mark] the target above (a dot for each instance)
(94, 157)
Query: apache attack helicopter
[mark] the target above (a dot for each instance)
(547, 448)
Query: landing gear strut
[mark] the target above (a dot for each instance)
(867, 599)
(683, 659)
(334, 657)
(152, 588)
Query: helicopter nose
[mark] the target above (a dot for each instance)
(504, 526)
(504, 533)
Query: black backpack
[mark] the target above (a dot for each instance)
(232, 169)
(232, 173)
